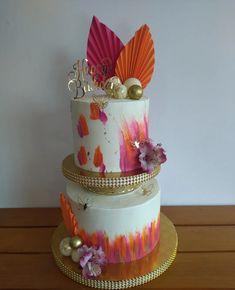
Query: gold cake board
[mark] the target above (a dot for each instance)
(105, 183)
(123, 275)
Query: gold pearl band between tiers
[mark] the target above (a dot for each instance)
(107, 183)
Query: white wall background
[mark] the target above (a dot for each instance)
(192, 93)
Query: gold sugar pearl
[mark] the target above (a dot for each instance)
(75, 242)
(135, 92)
(65, 248)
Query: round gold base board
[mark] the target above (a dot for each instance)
(123, 275)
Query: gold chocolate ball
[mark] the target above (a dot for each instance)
(75, 255)
(135, 92)
(115, 80)
(109, 88)
(131, 82)
(75, 242)
(110, 85)
(120, 92)
(65, 248)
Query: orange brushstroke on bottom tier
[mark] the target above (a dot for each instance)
(124, 248)
(68, 216)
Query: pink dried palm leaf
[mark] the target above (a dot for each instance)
(103, 49)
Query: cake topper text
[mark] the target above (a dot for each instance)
(83, 79)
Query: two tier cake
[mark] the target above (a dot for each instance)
(111, 206)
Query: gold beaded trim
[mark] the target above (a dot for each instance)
(109, 284)
(164, 258)
(110, 183)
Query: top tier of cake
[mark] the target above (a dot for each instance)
(106, 132)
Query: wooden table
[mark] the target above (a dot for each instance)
(206, 252)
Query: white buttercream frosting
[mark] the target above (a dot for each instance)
(105, 133)
(118, 214)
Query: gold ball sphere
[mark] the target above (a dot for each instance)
(131, 82)
(109, 88)
(75, 242)
(110, 85)
(65, 248)
(120, 92)
(135, 92)
(115, 80)
(75, 255)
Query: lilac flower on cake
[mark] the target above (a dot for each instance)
(91, 270)
(150, 156)
(91, 260)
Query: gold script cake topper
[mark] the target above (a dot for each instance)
(79, 79)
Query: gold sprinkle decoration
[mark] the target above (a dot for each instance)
(101, 101)
(147, 189)
(135, 144)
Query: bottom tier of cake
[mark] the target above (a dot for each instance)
(126, 226)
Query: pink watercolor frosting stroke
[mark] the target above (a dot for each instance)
(121, 249)
(97, 114)
(129, 133)
(103, 117)
(124, 248)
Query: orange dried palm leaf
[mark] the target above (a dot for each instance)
(136, 59)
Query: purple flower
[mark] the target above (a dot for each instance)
(150, 156)
(85, 259)
(91, 270)
(99, 256)
(91, 260)
(160, 154)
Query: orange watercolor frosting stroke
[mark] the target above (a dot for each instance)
(82, 156)
(82, 126)
(98, 159)
(94, 111)
(97, 114)
(68, 216)
(124, 248)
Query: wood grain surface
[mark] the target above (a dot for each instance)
(205, 259)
